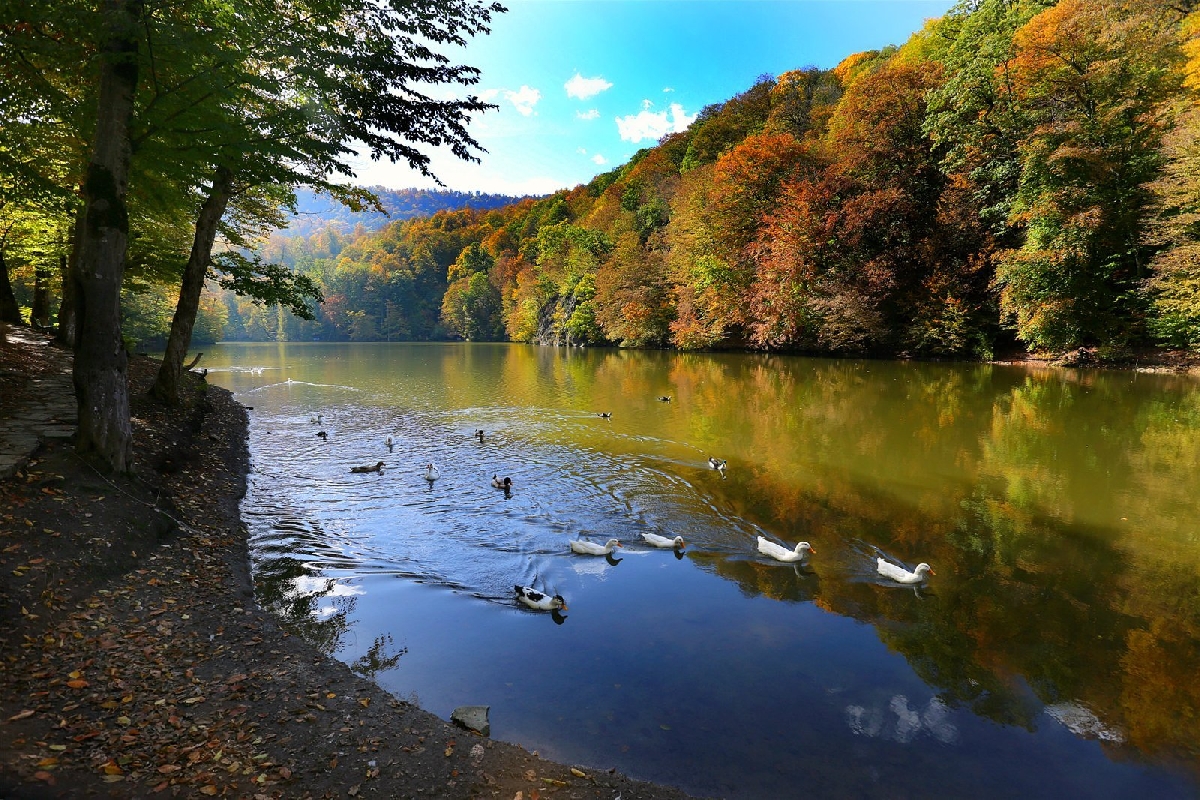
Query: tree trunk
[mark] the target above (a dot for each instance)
(10, 312)
(166, 385)
(66, 309)
(39, 314)
(101, 361)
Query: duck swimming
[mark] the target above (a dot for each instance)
(655, 540)
(317, 419)
(389, 443)
(586, 548)
(432, 473)
(323, 434)
(504, 483)
(479, 435)
(900, 575)
(605, 414)
(666, 398)
(538, 600)
(377, 468)
(769, 548)
(718, 464)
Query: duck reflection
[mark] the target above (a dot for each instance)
(799, 584)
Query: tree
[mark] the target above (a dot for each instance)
(100, 360)
(471, 305)
(1174, 219)
(725, 213)
(361, 63)
(1091, 75)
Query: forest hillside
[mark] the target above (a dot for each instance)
(1017, 172)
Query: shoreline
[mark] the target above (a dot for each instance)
(137, 663)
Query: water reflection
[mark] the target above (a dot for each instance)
(1057, 508)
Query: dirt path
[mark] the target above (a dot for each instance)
(135, 663)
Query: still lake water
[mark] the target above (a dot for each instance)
(1055, 653)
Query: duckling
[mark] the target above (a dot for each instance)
(377, 468)
(504, 483)
(769, 548)
(539, 601)
(432, 473)
(901, 575)
(584, 547)
(655, 540)
(323, 435)
(666, 398)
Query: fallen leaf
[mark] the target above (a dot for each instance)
(209, 790)
(578, 773)
(165, 768)
(353, 790)
(29, 712)
(78, 683)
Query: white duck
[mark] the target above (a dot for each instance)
(900, 575)
(655, 540)
(389, 443)
(538, 600)
(769, 548)
(432, 473)
(584, 547)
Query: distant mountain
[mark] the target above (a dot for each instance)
(318, 211)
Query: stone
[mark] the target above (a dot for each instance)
(473, 718)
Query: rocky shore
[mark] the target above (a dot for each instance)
(134, 661)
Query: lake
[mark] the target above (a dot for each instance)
(1053, 654)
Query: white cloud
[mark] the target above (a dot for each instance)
(591, 113)
(488, 95)
(653, 124)
(583, 88)
(599, 159)
(668, 89)
(524, 99)
(581, 150)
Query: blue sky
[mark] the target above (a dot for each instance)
(582, 85)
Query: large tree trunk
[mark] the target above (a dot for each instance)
(39, 314)
(101, 385)
(166, 386)
(10, 312)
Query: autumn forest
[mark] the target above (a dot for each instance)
(1016, 174)
(1020, 173)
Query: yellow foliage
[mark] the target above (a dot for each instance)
(1189, 32)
